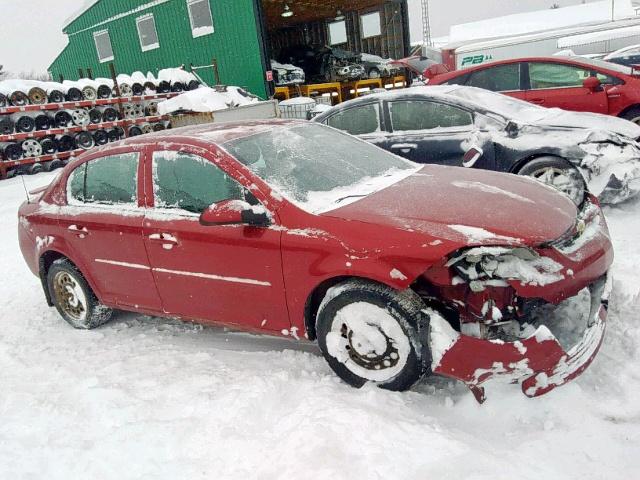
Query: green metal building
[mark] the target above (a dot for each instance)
(239, 37)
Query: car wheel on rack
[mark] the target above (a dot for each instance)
(73, 297)
(31, 148)
(84, 140)
(37, 96)
(74, 95)
(125, 90)
(89, 93)
(35, 169)
(80, 117)
(104, 92)
(369, 332)
(56, 96)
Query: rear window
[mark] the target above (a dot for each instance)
(360, 120)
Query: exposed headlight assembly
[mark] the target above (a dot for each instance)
(494, 266)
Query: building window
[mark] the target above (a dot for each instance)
(338, 32)
(200, 17)
(147, 32)
(371, 25)
(103, 46)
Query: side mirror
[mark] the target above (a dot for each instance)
(472, 156)
(234, 212)
(592, 83)
(512, 129)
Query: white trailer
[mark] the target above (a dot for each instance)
(599, 38)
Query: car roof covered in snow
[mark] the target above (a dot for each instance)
(209, 133)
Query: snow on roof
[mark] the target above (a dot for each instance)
(84, 6)
(549, 19)
(602, 36)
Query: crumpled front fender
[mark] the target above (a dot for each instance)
(538, 362)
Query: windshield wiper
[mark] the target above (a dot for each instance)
(351, 196)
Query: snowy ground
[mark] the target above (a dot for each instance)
(151, 398)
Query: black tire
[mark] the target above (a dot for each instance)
(374, 73)
(405, 308)
(536, 169)
(633, 115)
(65, 283)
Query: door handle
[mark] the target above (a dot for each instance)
(537, 101)
(167, 240)
(404, 147)
(79, 231)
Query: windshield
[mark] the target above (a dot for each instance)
(319, 168)
(592, 62)
(508, 107)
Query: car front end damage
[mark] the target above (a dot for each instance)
(611, 165)
(529, 315)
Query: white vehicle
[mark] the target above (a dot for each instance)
(592, 39)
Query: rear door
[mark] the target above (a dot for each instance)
(503, 78)
(426, 131)
(102, 225)
(220, 274)
(559, 85)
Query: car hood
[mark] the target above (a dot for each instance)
(555, 117)
(467, 206)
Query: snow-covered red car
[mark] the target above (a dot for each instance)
(398, 270)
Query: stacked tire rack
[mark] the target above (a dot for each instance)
(36, 137)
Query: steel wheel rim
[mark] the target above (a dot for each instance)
(563, 180)
(69, 296)
(375, 348)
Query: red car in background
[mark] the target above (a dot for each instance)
(570, 83)
(296, 229)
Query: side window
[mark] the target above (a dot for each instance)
(191, 183)
(555, 75)
(502, 78)
(420, 115)
(75, 187)
(109, 180)
(357, 120)
(608, 79)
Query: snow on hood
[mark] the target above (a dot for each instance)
(476, 207)
(206, 99)
(555, 117)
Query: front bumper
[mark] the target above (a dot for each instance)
(538, 363)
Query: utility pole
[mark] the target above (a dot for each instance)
(426, 24)
(613, 10)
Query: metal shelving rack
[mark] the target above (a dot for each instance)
(6, 165)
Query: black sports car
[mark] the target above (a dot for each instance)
(472, 127)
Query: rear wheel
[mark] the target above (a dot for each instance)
(374, 73)
(559, 174)
(73, 298)
(371, 333)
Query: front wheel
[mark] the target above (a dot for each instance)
(633, 115)
(73, 298)
(371, 333)
(374, 73)
(559, 174)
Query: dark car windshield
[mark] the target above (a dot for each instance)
(319, 168)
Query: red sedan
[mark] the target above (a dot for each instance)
(570, 83)
(286, 228)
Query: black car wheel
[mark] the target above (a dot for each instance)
(559, 174)
(369, 332)
(633, 115)
(374, 73)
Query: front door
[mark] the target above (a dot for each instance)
(557, 85)
(219, 274)
(427, 132)
(102, 225)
